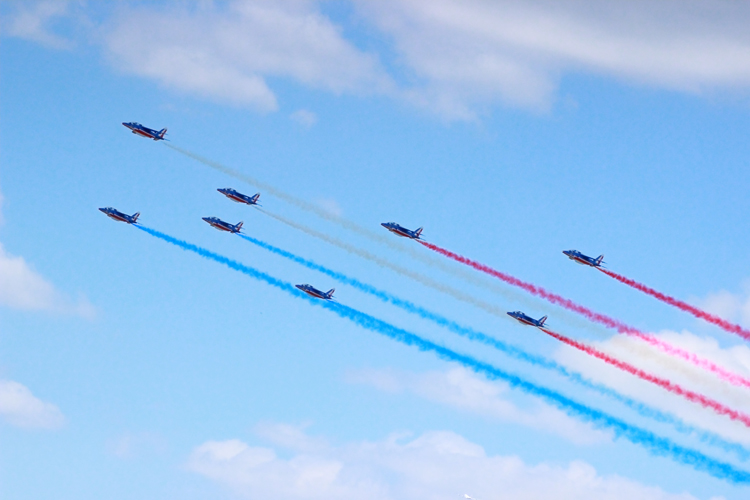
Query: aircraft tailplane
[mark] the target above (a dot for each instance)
(329, 293)
(599, 259)
(541, 321)
(239, 226)
(418, 232)
(162, 133)
(135, 216)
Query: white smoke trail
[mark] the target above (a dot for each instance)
(439, 263)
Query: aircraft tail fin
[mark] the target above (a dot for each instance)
(329, 293)
(135, 216)
(542, 320)
(255, 197)
(162, 133)
(418, 232)
(599, 260)
(239, 226)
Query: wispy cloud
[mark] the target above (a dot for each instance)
(304, 117)
(19, 407)
(23, 288)
(228, 53)
(439, 465)
(471, 54)
(463, 390)
(457, 59)
(31, 21)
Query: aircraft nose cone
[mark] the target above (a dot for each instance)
(101, 210)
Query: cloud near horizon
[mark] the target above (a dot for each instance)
(440, 465)
(463, 390)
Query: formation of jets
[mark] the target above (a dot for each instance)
(400, 230)
(397, 229)
(223, 226)
(314, 292)
(528, 320)
(585, 260)
(119, 216)
(149, 133)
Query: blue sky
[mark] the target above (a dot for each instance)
(510, 131)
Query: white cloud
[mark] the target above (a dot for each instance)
(331, 206)
(633, 351)
(23, 288)
(469, 54)
(461, 389)
(304, 117)
(456, 58)
(227, 53)
(730, 306)
(436, 465)
(131, 445)
(19, 407)
(31, 19)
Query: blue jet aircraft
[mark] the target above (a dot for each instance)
(399, 230)
(223, 226)
(239, 197)
(585, 260)
(314, 292)
(149, 133)
(117, 215)
(528, 320)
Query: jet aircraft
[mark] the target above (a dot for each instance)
(223, 226)
(239, 197)
(149, 133)
(117, 215)
(314, 292)
(585, 260)
(399, 230)
(528, 320)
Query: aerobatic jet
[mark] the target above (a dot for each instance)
(585, 260)
(399, 230)
(117, 215)
(149, 133)
(239, 197)
(223, 226)
(528, 320)
(314, 292)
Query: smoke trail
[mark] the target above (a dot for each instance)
(354, 227)
(596, 317)
(421, 278)
(511, 350)
(721, 323)
(656, 445)
(695, 397)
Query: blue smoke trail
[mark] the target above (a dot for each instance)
(657, 445)
(512, 351)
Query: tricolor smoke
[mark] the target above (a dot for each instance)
(695, 397)
(657, 445)
(418, 277)
(698, 313)
(383, 238)
(510, 350)
(596, 317)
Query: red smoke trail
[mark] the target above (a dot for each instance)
(596, 317)
(664, 383)
(721, 323)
